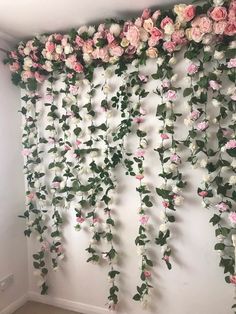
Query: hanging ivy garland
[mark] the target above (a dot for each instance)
(71, 163)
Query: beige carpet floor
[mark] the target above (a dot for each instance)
(39, 308)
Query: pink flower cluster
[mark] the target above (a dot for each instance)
(109, 42)
(231, 144)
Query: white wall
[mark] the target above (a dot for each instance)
(196, 283)
(13, 245)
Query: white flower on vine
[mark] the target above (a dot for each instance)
(163, 217)
(164, 248)
(91, 30)
(140, 249)
(203, 162)
(176, 189)
(234, 117)
(169, 122)
(174, 78)
(218, 2)
(188, 122)
(172, 61)
(232, 180)
(107, 89)
(82, 29)
(207, 48)
(215, 102)
(207, 178)
(160, 61)
(232, 45)
(61, 256)
(115, 29)
(163, 228)
(192, 147)
(218, 55)
(178, 200)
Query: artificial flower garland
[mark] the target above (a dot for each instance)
(155, 35)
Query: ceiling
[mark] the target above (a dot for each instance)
(25, 18)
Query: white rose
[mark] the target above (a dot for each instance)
(218, 2)
(163, 228)
(172, 61)
(218, 55)
(215, 102)
(233, 164)
(26, 51)
(173, 167)
(174, 78)
(48, 66)
(234, 117)
(59, 49)
(179, 200)
(176, 189)
(207, 48)
(169, 29)
(91, 30)
(207, 178)
(27, 63)
(203, 163)
(87, 58)
(192, 147)
(106, 89)
(232, 45)
(115, 29)
(140, 249)
(82, 29)
(159, 61)
(68, 49)
(162, 216)
(232, 180)
(223, 149)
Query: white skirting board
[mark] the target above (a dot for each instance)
(67, 304)
(15, 305)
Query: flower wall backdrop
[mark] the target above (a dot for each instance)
(85, 100)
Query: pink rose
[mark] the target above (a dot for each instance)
(14, 67)
(205, 25)
(143, 78)
(231, 144)
(138, 120)
(219, 27)
(73, 89)
(146, 14)
(214, 85)
(48, 99)
(167, 20)
(166, 258)
(153, 41)
(116, 50)
(218, 14)
(88, 46)
(233, 279)
(171, 95)
(232, 217)
(45, 246)
(203, 193)
(50, 47)
(152, 52)
(139, 177)
(39, 78)
(78, 67)
(165, 83)
(233, 97)
(147, 274)
(231, 63)
(192, 69)
(189, 13)
(143, 219)
(156, 15)
(169, 46)
(148, 25)
(156, 33)
(25, 152)
(78, 142)
(202, 126)
(140, 153)
(164, 136)
(110, 38)
(101, 53)
(196, 34)
(178, 37)
(230, 29)
(80, 220)
(31, 196)
(55, 185)
(175, 159)
(222, 207)
(59, 249)
(27, 75)
(79, 41)
(133, 35)
(194, 115)
(165, 204)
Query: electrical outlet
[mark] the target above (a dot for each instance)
(6, 282)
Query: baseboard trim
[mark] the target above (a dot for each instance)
(15, 305)
(66, 304)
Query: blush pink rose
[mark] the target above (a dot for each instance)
(48, 99)
(133, 35)
(80, 220)
(232, 217)
(156, 33)
(222, 207)
(205, 25)
(231, 144)
(101, 53)
(88, 46)
(140, 153)
(146, 14)
(171, 95)
(39, 78)
(175, 159)
(165, 83)
(196, 34)
(147, 274)
(116, 50)
(165, 204)
(169, 46)
(79, 41)
(164, 136)
(189, 13)
(203, 194)
(153, 41)
(178, 37)
(78, 67)
(139, 177)
(138, 120)
(214, 85)
(25, 152)
(55, 185)
(192, 69)
(233, 279)
(230, 29)
(219, 27)
(144, 219)
(31, 196)
(50, 47)
(202, 126)
(194, 115)
(110, 38)
(156, 15)
(218, 14)
(27, 75)
(14, 67)
(231, 63)
(167, 20)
